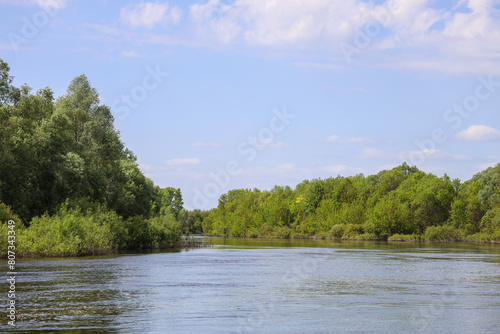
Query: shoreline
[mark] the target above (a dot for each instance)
(493, 242)
(195, 244)
(185, 244)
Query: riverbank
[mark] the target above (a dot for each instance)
(83, 228)
(186, 242)
(443, 234)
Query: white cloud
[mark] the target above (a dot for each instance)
(446, 40)
(338, 139)
(479, 133)
(182, 162)
(271, 23)
(202, 144)
(410, 35)
(148, 14)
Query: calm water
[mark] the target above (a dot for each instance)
(266, 286)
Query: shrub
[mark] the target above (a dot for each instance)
(69, 232)
(134, 234)
(493, 236)
(369, 227)
(252, 233)
(404, 237)
(282, 232)
(352, 231)
(165, 231)
(265, 230)
(7, 214)
(442, 233)
(367, 236)
(337, 231)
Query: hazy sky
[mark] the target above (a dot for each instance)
(217, 95)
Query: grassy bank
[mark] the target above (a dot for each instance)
(366, 232)
(89, 229)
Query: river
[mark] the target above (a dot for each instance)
(265, 286)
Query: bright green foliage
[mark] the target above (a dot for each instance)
(467, 209)
(314, 195)
(392, 216)
(165, 231)
(168, 200)
(82, 227)
(404, 237)
(69, 232)
(404, 201)
(6, 214)
(442, 233)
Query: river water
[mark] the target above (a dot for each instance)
(265, 286)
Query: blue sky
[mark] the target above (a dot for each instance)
(217, 95)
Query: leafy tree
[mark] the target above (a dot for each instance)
(8, 93)
(314, 195)
(169, 200)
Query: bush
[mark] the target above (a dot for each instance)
(352, 231)
(493, 236)
(282, 232)
(265, 230)
(491, 220)
(337, 231)
(369, 227)
(7, 214)
(165, 231)
(134, 233)
(367, 236)
(69, 232)
(252, 233)
(404, 237)
(97, 230)
(442, 233)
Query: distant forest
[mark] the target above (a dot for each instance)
(399, 204)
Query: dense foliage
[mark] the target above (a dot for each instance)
(399, 204)
(67, 180)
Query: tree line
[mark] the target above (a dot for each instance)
(399, 204)
(68, 181)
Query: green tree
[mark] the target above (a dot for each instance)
(8, 93)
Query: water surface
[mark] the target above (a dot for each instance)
(266, 286)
